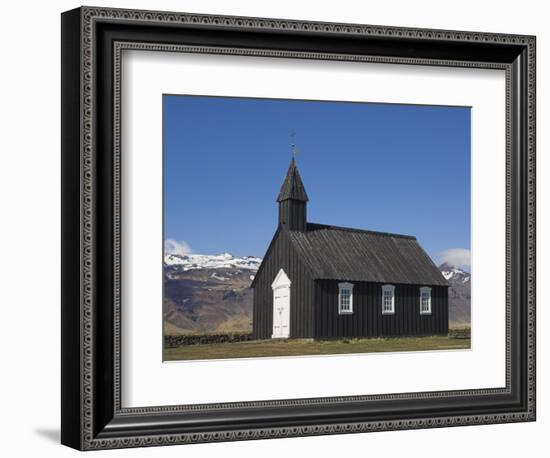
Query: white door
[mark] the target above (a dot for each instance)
(281, 312)
(281, 306)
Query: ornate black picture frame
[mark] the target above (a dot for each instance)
(92, 42)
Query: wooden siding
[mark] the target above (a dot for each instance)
(292, 215)
(367, 319)
(281, 255)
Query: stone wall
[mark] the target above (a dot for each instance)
(178, 341)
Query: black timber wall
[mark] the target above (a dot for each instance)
(281, 255)
(367, 319)
(293, 215)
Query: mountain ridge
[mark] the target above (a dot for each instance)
(217, 261)
(211, 293)
(459, 294)
(452, 273)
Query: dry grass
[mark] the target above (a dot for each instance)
(299, 347)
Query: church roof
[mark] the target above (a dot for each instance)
(339, 253)
(292, 187)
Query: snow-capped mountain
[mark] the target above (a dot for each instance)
(217, 261)
(459, 294)
(208, 293)
(453, 274)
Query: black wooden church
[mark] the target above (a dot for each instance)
(325, 282)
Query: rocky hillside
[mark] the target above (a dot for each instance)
(459, 295)
(208, 294)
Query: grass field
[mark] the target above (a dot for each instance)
(298, 347)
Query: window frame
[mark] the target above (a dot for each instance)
(429, 291)
(390, 288)
(341, 287)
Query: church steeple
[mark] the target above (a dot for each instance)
(292, 200)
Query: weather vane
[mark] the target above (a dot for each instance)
(293, 144)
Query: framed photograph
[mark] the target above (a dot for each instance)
(294, 287)
(277, 228)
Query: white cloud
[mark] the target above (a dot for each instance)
(180, 247)
(456, 257)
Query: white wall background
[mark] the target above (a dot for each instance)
(30, 215)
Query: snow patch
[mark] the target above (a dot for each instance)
(453, 273)
(217, 261)
(218, 277)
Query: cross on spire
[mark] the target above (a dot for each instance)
(293, 187)
(293, 149)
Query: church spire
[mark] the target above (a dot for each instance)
(293, 187)
(292, 200)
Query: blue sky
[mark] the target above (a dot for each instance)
(384, 167)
